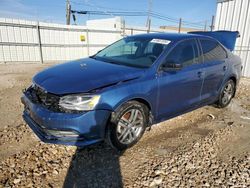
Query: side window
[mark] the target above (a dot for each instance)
(185, 53)
(212, 50)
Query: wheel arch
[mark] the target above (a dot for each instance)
(143, 101)
(138, 99)
(230, 77)
(233, 77)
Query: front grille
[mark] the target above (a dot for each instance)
(40, 96)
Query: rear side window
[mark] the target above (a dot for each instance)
(185, 53)
(212, 50)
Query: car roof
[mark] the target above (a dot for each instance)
(170, 36)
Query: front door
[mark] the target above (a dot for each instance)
(179, 91)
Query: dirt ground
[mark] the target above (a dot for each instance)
(208, 147)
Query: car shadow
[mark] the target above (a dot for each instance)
(94, 166)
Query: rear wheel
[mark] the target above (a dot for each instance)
(127, 125)
(226, 94)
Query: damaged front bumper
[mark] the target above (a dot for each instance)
(81, 129)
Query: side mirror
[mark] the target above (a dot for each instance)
(171, 66)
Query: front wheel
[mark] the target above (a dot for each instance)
(127, 125)
(226, 94)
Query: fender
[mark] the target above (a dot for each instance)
(134, 97)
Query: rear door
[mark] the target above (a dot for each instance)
(180, 91)
(214, 68)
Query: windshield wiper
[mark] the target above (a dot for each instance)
(111, 61)
(92, 57)
(106, 60)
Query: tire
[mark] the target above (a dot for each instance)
(226, 94)
(127, 125)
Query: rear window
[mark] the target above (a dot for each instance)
(212, 50)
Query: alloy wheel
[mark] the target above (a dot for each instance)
(130, 126)
(228, 93)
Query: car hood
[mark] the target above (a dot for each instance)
(84, 75)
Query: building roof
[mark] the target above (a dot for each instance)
(169, 36)
(176, 29)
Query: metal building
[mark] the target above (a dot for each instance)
(234, 15)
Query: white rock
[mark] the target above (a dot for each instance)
(16, 181)
(55, 172)
(158, 180)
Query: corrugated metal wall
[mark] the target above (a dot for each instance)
(11, 36)
(234, 15)
(29, 41)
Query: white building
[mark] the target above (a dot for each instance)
(234, 15)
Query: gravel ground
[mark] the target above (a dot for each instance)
(208, 147)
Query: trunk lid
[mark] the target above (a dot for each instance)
(227, 38)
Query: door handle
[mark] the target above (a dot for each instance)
(224, 68)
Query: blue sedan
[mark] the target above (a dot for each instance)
(130, 85)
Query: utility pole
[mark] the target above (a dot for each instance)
(68, 12)
(148, 24)
(205, 26)
(212, 24)
(180, 22)
(123, 28)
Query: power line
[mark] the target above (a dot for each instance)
(115, 13)
(124, 13)
(99, 7)
(143, 13)
(138, 13)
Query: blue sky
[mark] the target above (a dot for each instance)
(195, 11)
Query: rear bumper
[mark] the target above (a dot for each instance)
(80, 130)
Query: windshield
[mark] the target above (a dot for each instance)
(132, 51)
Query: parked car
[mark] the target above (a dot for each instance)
(130, 85)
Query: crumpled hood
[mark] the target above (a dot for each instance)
(83, 75)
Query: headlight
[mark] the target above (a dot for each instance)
(78, 102)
